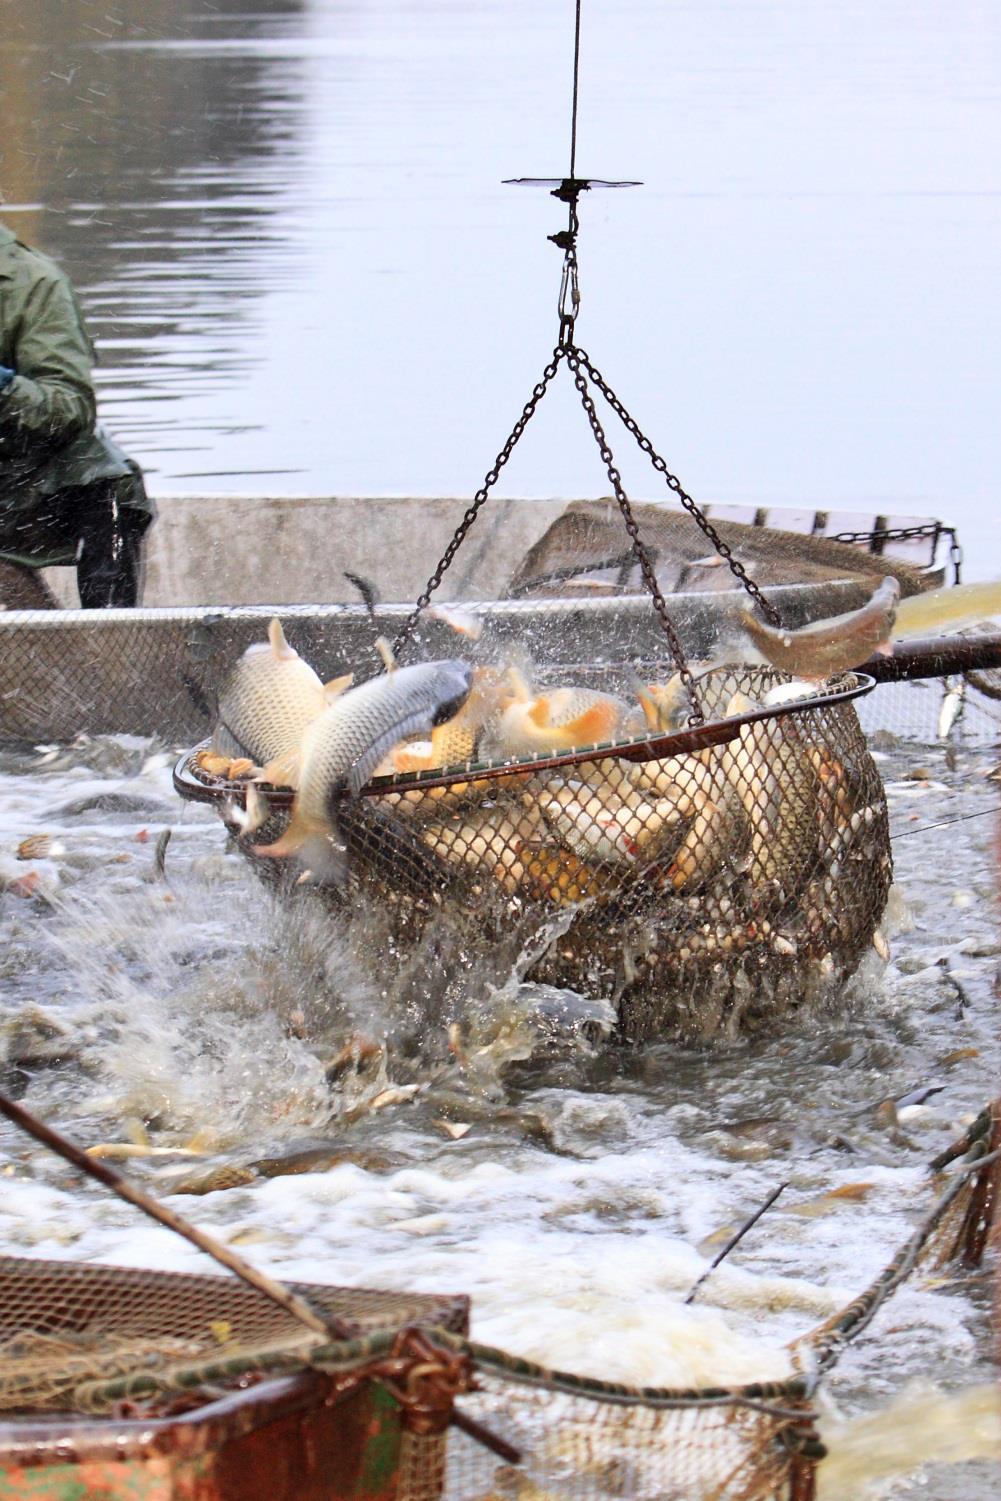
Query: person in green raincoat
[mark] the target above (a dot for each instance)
(67, 493)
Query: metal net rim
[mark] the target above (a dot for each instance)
(195, 784)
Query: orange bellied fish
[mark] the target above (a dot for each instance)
(560, 719)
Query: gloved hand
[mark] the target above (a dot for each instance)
(6, 376)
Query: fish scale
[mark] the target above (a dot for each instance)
(342, 747)
(267, 701)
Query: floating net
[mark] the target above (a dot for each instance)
(706, 881)
(90, 1339)
(585, 550)
(62, 1325)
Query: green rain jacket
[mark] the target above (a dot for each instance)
(49, 443)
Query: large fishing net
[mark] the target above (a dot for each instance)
(705, 881)
(585, 552)
(101, 1340)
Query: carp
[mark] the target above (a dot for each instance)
(560, 719)
(597, 832)
(829, 646)
(345, 743)
(265, 704)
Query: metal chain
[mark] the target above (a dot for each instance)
(528, 411)
(673, 483)
(574, 360)
(932, 530)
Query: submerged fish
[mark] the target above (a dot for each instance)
(267, 701)
(832, 645)
(960, 604)
(345, 743)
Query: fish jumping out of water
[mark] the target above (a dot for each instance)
(829, 646)
(267, 701)
(342, 747)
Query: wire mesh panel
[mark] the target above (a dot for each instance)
(579, 1450)
(705, 892)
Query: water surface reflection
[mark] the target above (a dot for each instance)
(290, 230)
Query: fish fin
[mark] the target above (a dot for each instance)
(648, 706)
(279, 646)
(884, 649)
(367, 590)
(283, 771)
(298, 831)
(337, 686)
(418, 723)
(385, 651)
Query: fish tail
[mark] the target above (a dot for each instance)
(283, 771)
(298, 832)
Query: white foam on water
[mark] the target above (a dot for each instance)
(584, 1199)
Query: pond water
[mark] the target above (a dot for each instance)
(288, 224)
(586, 1186)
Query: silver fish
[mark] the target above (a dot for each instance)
(342, 747)
(267, 701)
(952, 708)
(829, 646)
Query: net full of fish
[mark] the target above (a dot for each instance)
(708, 892)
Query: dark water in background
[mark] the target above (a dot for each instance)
(289, 229)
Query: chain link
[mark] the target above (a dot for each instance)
(930, 530)
(528, 411)
(673, 483)
(574, 360)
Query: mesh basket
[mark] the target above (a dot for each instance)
(707, 881)
(63, 1324)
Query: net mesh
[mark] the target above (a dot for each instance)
(67, 1329)
(585, 550)
(62, 1325)
(704, 892)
